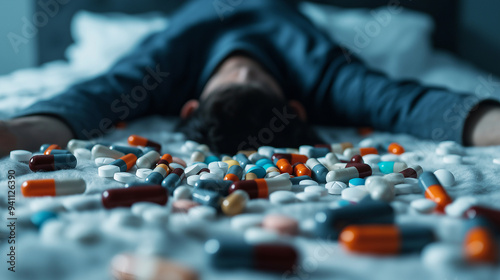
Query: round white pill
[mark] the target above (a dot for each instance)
(142, 173)
(308, 183)
(452, 159)
(202, 212)
(182, 192)
(335, 187)
(191, 180)
(100, 161)
(282, 197)
(423, 205)
(245, 221)
(445, 177)
(124, 177)
(319, 189)
(192, 169)
(308, 196)
(403, 188)
(20, 155)
(353, 194)
(108, 171)
(82, 154)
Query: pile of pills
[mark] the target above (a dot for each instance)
(360, 184)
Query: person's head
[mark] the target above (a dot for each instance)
(243, 107)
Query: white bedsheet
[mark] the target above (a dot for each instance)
(52, 255)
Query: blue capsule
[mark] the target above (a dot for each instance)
(219, 186)
(39, 218)
(127, 150)
(211, 158)
(296, 180)
(263, 161)
(242, 159)
(259, 171)
(173, 180)
(207, 197)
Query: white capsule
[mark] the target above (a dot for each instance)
(403, 188)
(20, 155)
(343, 175)
(371, 159)
(74, 144)
(82, 154)
(266, 151)
(210, 176)
(445, 177)
(197, 156)
(103, 151)
(148, 160)
(279, 183)
(390, 157)
(394, 178)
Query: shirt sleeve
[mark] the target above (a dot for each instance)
(361, 97)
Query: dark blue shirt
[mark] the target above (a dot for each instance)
(173, 66)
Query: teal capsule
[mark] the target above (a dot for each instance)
(388, 167)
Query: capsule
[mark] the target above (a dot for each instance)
(312, 152)
(242, 160)
(352, 170)
(136, 140)
(259, 172)
(387, 167)
(40, 217)
(357, 159)
(235, 203)
(231, 162)
(434, 190)
(234, 173)
(492, 215)
(207, 197)
(319, 171)
(350, 152)
(380, 189)
(330, 222)
(292, 158)
(284, 166)
(229, 254)
(52, 162)
(103, 151)
(125, 197)
(211, 158)
(148, 159)
(395, 148)
(74, 144)
(261, 188)
(385, 239)
(296, 180)
(125, 162)
(412, 172)
(159, 173)
(57, 152)
(300, 169)
(52, 187)
(219, 186)
(127, 150)
(197, 156)
(480, 245)
(46, 148)
(166, 159)
(339, 148)
(173, 180)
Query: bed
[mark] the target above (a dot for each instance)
(80, 244)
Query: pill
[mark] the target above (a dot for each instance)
(308, 183)
(387, 167)
(260, 235)
(100, 161)
(235, 203)
(219, 165)
(244, 221)
(191, 180)
(103, 151)
(380, 189)
(356, 182)
(458, 207)
(125, 197)
(126, 162)
(259, 172)
(157, 215)
(412, 172)
(207, 197)
(74, 144)
(281, 224)
(452, 159)
(242, 159)
(350, 152)
(182, 192)
(390, 157)
(291, 158)
(357, 159)
(353, 194)
(48, 149)
(434, 190)
(480, 245)
(228, 253)
(445, 177)
(318, 170)
(127, 150)
(449, 147)
(284, 166)
(282, 197)
(234, 173)
(124, 177)
(335, 187)
(20, 155)
(41, 217)
(331, 159)
(219, 186)
(166, 159)
(423, 205)
(272, 174)
(404, 189)
(330, 222)
(231, 162)
(52, 187)
(52, 162)
(394, 178)
(193, 169)
(173, 180)
(128, 266)
(296, 180)
(308, 196)
(143, 173)
(158, 174)
(385, 239)
(202, 212)
(108, 171)
(183, 205)
(211, 158)
(371, 159)
(317, 189)
(351, 171)
(339, 148)
(261, 188)
(395, 148)
(315, 152)
(136, 140)
(148, 160)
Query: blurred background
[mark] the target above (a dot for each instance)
(477, 36)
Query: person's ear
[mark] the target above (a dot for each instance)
(299, 109)
(189, 108)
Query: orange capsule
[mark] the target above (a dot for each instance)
(479, 244)
(52, 187)
(350, 152)
(434, 190)
(50, 148)
(165, 159)
(284, 166)
(301, 169)
(136, 140)
(395, 148)
(292, 158)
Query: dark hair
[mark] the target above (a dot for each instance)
(244, 117)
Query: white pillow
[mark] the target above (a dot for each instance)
(101, 39)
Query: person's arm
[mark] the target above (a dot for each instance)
(359, 96)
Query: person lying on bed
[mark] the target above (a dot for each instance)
(256, 74)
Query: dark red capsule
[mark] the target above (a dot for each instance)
(364, 170)
(357, 159)
(126, 197)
